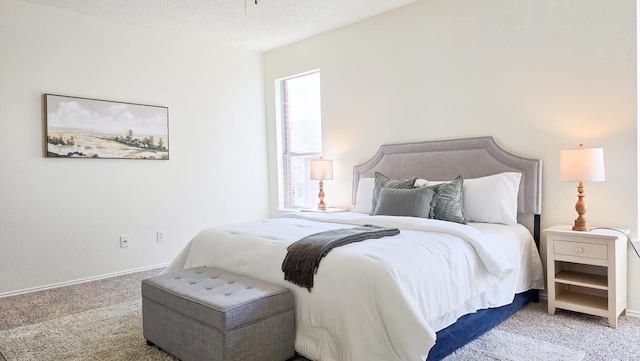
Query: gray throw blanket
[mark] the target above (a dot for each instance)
(304, 256)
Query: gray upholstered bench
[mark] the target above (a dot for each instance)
(207, 314)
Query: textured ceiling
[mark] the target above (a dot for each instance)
(265, 26)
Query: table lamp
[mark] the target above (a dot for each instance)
(321, 169)
(581, 165)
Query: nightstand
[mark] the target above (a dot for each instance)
(587, 271)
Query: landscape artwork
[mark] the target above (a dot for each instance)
(90, 128)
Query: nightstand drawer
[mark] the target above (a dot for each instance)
(580, 249)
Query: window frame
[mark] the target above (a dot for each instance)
(285, 157)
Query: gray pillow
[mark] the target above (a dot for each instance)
(447, 201)
(405, 202)
(382, 181)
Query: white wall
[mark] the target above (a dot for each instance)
(540, 76)
(60, 219)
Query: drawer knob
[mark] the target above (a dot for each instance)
(579, 249)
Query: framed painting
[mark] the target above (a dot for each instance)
(91, 128)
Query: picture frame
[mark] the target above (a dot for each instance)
(92, 128)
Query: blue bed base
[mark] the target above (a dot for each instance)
(471, 326)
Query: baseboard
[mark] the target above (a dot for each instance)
(633, 313)
(82, 280)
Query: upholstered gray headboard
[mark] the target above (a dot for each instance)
(446, 159)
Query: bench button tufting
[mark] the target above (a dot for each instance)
(177, 278)
(249, 288)
(209, 288)
(227, 294)
(231, 282)
(192, 283)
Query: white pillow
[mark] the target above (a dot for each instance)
(492, 199)
(364, 196)
(420, 183)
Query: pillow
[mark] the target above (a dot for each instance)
(382, 181)
(364, 195)
(414, 202)
(447, 201)
(492, 199)
(420, 183)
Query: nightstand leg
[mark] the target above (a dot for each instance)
(613, 321)
(551, 284)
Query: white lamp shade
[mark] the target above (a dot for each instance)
(321, 169)
(582, 165)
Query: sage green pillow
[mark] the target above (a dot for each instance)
(382, 181)
(447, 201)
(405, 202)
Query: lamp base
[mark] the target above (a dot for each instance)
(321, 205)
(581, 225)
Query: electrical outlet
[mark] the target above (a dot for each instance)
(124, 241)
(160, 236)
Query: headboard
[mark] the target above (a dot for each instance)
(446, 159)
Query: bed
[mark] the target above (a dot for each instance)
(423, 293)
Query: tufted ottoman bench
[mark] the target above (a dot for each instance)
(207, 314)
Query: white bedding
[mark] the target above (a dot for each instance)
(380, 299)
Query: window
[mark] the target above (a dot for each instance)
(301, 138)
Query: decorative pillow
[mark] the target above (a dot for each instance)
(492, 199)
(447, 201)
(364, 196)
(414, 202)
(382, 181)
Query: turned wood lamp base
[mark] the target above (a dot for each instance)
(581, 223)
(321, 205)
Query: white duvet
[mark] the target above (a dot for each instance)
(382, 299)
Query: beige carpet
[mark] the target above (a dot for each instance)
(110, 333)
(115, 333)
(505, 346)
(34, 307)
(105, 324)
(578, 331)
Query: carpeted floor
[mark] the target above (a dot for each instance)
(31, 323)
(35, 307)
